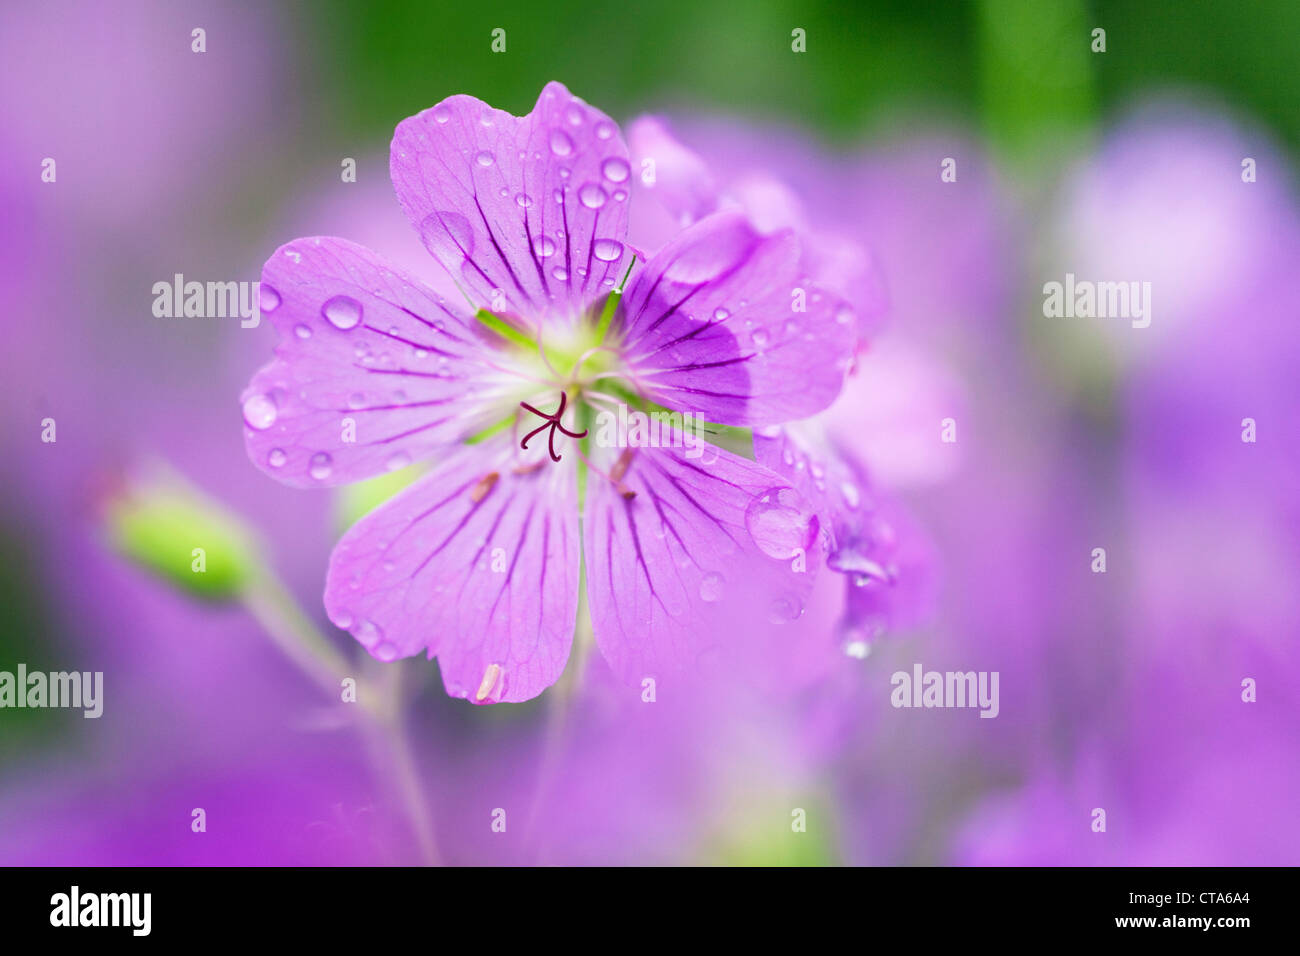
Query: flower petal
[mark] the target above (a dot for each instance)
(679, 189)
(366, 353)
(867, 538)
(529, 213)
(720, 322)
(672, 573)
(477, 563)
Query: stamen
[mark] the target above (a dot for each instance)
(621, 466)
(617, 482)
(485, 484)
(489, 681)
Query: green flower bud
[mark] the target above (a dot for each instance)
(170, 528)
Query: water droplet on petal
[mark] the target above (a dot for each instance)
(485, 158)
(711, 587)
(849, 492)
(259, 412)
(607, 250)
(320, 466)
(615, 169)
(368, 633)
(276, 458)
(786, 608)
(523, 200)
(780, 523)
(760, 338)
(592, 195)
(302, 331)
(559, 273)
(342, 312)
(385, 651)
(268, 299)
(604, 129)
(441, 113)
(561, 144)
(543, 246)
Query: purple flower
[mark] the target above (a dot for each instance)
(480, 562)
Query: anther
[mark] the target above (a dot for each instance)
(485, 484)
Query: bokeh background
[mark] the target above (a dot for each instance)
(1120, 690)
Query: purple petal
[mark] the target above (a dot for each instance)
(529, 213)
(868, 539)
(360, 343)
(721, 322)
(708, 549)
(480, 571)
(681, 190)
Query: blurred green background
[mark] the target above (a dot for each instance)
(1005, 66)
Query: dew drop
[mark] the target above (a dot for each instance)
(368, 633)
(320, 466)
(780, 523)
(604, 129)
(559, 273)
(852, 497)
(607, 250)
(760, 338)
(302, 331)
(721, 315)
(544, 246)
(385, 651)
(259, 412)
(441, 113)
(615, 169)
(561, 144)
(276, 458)
(592, 195)
(523, 200)
(268, 298)
(485, 158)
(711, 587)
(786, 608)
(342, 312)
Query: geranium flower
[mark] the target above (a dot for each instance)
(480, 562)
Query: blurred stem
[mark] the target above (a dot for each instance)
(380, 695)
(560, 702)
(271, 605)
(389, 728)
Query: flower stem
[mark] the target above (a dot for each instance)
(380, 694)
(271, 605)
